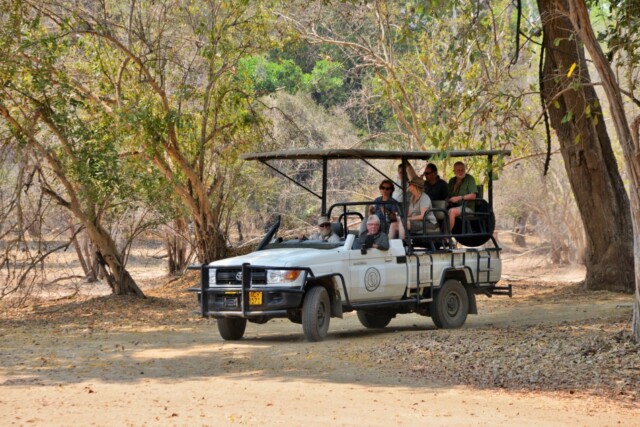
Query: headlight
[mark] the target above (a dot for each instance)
(212, 277)
(276, 277)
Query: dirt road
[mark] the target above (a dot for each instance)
(84, 365)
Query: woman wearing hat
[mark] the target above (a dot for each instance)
(419, 206)
(324, 232)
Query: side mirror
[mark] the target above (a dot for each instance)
(363, 250)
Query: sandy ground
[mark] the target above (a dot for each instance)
(93, 365)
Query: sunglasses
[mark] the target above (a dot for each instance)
(325, 225)
(386, 188)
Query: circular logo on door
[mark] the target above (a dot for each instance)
(372, 279)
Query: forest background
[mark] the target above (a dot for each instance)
(123, 123)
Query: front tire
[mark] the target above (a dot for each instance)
(450, 306)
(316, 314)
(374, 320)
(231, 328)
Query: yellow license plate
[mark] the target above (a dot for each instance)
(255, 298)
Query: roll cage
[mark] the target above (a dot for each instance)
(474, 230)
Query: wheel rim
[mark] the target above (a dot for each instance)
(321, 315)
(452, 304)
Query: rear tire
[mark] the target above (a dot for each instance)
(316, 314)
(374, 320)
(231, 328)
(450, 306)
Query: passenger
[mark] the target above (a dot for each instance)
(435, 187)
(373, 237)
(419, 206)
(462, 188)
(325, 233)
(387, 213)
(411, 173)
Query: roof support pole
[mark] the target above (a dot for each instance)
(490, 189)
(325, 162)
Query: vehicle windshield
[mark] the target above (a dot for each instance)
(306, 244)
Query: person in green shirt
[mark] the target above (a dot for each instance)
(462, 187)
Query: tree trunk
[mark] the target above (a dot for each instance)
(576, 116)
(210, 243)
(176, 242)
(117, 276)
(78, 248)
(87, 248)
(518, 236)
(240, 236)
(579, 15)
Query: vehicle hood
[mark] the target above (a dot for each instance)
(285, 257)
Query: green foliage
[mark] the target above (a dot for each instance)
(437, 72)
(621, 31)
(268, 77)
(325, 82)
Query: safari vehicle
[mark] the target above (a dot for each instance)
(309, 282)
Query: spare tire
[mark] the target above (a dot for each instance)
(481, 217)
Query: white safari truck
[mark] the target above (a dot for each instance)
(437, 274)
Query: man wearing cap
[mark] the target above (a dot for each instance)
(324, 232)
(419, 206)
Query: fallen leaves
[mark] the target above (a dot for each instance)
(595, 356)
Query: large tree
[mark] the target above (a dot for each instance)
(576, 116)
(172, 83)
(44, 107)
(579, 16)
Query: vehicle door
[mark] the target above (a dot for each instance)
(378, 275)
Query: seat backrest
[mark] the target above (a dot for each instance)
(439, 204)
(337, 228)
(480, 193)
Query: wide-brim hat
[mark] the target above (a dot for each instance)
(418, 182)
(323, 220)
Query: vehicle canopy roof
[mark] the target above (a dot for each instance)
(361, 153)
(365, 155)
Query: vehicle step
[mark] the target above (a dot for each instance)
(502, 290)
(486, 269)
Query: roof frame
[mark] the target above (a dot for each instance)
(365, 155)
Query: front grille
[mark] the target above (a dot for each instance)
(233, 276)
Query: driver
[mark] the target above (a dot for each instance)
(324, 232)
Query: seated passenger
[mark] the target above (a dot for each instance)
(411, 173)
(324, 232)
(419, 206)
(388, 213)
(435, 187)
(373, 237)
(461, 187)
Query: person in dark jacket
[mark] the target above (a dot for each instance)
(373, 237)
(435, 187)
